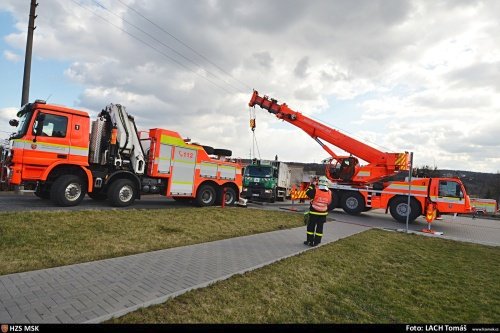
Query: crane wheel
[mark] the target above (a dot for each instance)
(399, 208)
(353, 203)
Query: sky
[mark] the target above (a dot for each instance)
(419, 76)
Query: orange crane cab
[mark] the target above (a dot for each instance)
(358, 188)
(53, 152)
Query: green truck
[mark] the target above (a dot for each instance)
(266, 181)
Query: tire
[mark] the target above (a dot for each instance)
(122, 193)
(398, 209)
(97, 196)
(209, 150)
(205, 196)
(353, 203)
(68, 190)
(222, 152)
(230, 197)
(335, 200)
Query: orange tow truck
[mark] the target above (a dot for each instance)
(357, 188)
(52, 151)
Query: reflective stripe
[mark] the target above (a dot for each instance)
(298, 195)
(320, 235)
(318, 213)
(182, 183)
(48, 147)
(405, 187)
(363, 174)
(310, 233)
(171, 140)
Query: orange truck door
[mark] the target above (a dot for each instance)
(46, 142)
(450, 196)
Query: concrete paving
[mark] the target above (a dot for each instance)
(96, 291)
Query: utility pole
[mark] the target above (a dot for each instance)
(29, 50)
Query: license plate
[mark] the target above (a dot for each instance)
(255, 195)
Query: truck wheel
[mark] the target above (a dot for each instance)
(230, 197)
(122, 193)
(353, 203)
(205, 196)
(68, 190)
(399, 208)
(222, 152)
(97, 196)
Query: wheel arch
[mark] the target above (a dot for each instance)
(122, 174)
(413, 198)
(59, 169)
(212, 183)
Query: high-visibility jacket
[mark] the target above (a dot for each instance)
(321, 200)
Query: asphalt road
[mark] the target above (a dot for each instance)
(10, 201)
(462, 228)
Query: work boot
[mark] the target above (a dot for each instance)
(317, 240)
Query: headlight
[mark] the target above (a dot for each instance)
(268, 191)
(244, 189)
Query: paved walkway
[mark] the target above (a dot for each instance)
(96, 291)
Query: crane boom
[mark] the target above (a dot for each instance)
(346, 168)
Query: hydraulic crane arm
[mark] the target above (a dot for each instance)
(380, 165)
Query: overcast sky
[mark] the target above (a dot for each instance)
(419, 76)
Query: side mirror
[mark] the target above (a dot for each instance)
(13, 122)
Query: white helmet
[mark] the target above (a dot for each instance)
(323, 183)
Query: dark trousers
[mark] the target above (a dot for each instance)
(315, 228)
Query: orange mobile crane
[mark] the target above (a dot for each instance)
(358, 188)
(53, 152)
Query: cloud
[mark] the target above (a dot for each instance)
(11, 56)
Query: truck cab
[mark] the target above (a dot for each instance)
(449, 195)
(266, 180)
(46, 136)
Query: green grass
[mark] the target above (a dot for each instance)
(372, 277)
(35, 240)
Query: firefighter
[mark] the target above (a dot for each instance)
(321, 199)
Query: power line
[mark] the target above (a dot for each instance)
(152, 47)
(184, 44)
(165, 45)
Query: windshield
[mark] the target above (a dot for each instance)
(258, 171)
(24, 119)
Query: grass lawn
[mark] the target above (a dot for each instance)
(372, 277)
(35, 240)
